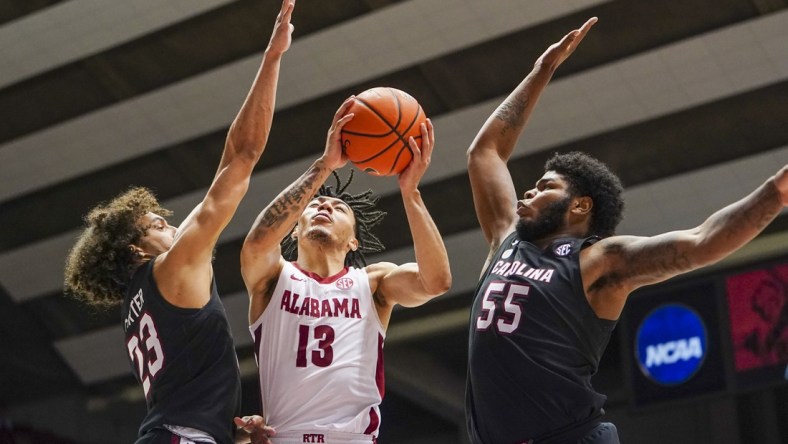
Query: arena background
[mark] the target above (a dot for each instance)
(685, 99)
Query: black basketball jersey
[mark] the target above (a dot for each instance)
(184, 358)
(534, 344)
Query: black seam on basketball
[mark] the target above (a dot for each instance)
(393, 130)
(380, 116)
(406, 144)
(399, 136)
(396, 159)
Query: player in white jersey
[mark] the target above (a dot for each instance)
(319, 322)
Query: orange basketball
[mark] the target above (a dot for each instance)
(376, 140)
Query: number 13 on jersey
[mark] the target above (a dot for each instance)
(509, 320)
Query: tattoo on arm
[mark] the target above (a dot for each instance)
(663, 261)
(762, 211)
(286, 203)
(511, 112)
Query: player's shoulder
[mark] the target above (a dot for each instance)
(380, 268)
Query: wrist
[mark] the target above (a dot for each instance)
(272, 52)
(543, 69)
(324, 165)
(410, 193)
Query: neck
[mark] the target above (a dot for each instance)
(321, 261)
(575, 232)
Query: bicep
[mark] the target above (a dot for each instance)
(259, 263)
(494, 196)
(635, 261)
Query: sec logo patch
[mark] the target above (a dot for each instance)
(345, 284)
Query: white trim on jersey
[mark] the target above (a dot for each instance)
(319, 346)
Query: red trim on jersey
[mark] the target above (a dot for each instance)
(320, 279)
(374, 421)
(258, 333)
(379, 372)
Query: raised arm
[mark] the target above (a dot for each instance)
(188, 262)
(413, 284)
(261, 255)
(494, 195)
(614, 267)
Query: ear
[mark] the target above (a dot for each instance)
(353, 244)
(582, 205)
(294, 233)
(137, 253)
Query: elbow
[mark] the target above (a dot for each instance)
(439, 285)
(472, 151)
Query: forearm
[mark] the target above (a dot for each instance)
(733, 226)
(505, 125)
(430, 251)
(249, 131)
(279, 217)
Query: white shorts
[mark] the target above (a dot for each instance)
(321, 437)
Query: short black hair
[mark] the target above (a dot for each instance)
(366, 214)
(587, 176)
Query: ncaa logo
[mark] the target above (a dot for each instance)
(670, 344)
(563, 250)
(345, 284)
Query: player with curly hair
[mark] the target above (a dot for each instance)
(177, 335)
(556, 277)
(319, 316)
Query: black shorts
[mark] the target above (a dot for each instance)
(604, 433)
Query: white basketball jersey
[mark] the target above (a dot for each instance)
(319, 349)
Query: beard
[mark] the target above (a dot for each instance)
(319, 236)
(550, 219)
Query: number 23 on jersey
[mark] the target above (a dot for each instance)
(145, 350)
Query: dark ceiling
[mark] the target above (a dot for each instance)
(685, 99)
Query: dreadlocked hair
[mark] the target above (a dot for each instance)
(99, 265)
(588, 176)
(366, 214)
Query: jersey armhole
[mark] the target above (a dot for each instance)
(374, 306)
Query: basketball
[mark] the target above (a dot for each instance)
(376, 140)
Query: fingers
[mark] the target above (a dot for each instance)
(430, 135)
(567, 41)
(287, 9)
(341, 117)
(344, 107)
(249, 423)
(287, 12)
(344, 120)
(581, 33)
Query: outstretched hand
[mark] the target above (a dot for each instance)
(410, 177)
(334, 157)
(283, 29)
(560, 51)
(252, 429)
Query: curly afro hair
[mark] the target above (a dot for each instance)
(588, 176)
(99, 265)
(366, 215)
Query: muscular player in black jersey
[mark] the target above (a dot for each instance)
(556, 278)
(177, 336)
